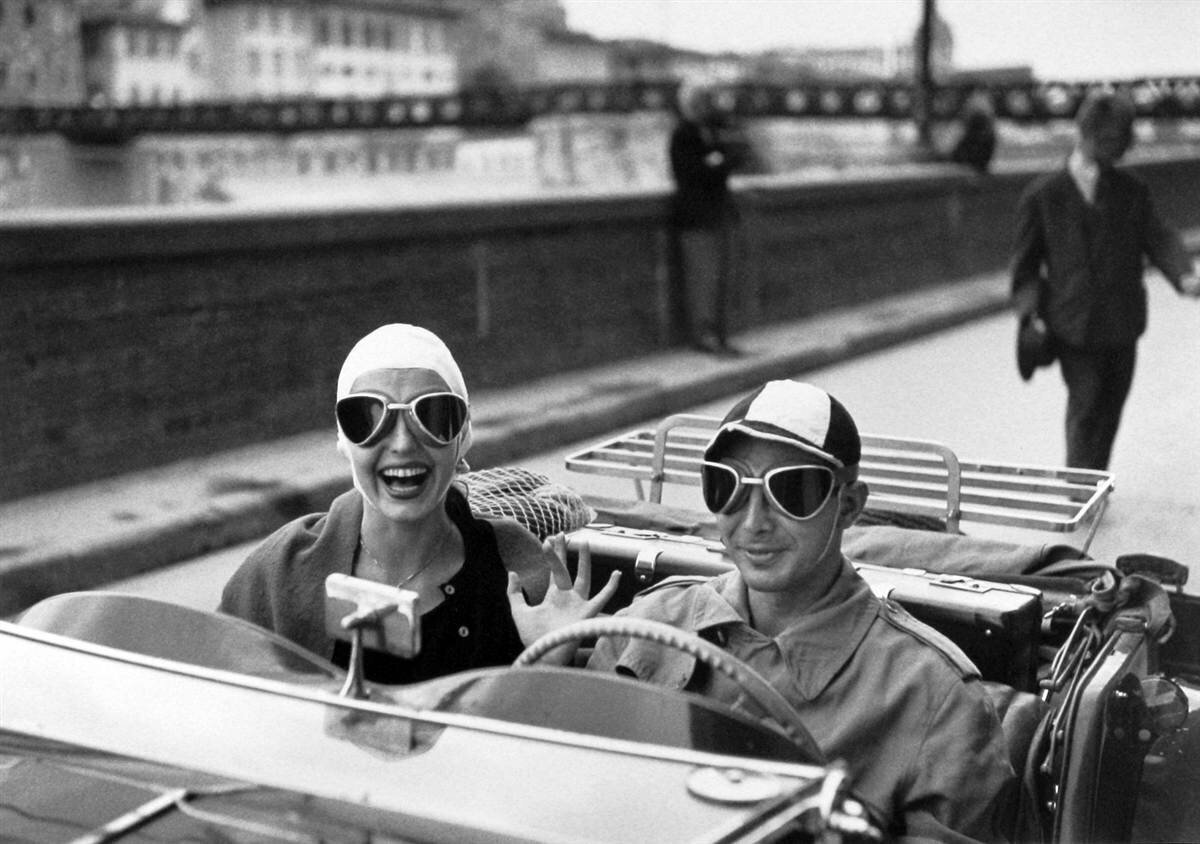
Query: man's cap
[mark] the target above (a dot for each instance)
(796, 414)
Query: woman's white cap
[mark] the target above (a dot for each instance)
(400, 346)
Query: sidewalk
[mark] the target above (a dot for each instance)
(85, 536)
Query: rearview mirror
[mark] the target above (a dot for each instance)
(370, 615)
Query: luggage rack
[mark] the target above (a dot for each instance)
(909, 476)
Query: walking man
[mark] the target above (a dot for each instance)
(1083, 234)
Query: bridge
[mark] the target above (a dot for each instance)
(1168, 98)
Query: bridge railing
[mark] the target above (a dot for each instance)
(1169, 98)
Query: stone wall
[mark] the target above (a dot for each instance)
(134, 338)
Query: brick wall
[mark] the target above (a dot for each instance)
(131, 339)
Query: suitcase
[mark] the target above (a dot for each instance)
(997, 625)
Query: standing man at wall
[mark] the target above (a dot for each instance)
(704, 217)
(976, 143)
(1082, 236)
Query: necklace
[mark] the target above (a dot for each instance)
(433, 558)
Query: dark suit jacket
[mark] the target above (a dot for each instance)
(702, 197)
(1080, 267)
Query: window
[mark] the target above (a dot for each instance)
(386, 35)
(323, 28)
(253, 63)
(279, 62)
(347, 33)
(30, 14)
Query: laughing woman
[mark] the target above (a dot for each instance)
(403, 422)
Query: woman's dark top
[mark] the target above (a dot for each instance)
(281, 586)
(471, 628)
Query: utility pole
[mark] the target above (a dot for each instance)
(923, 83)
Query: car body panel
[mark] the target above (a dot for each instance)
(428, 775)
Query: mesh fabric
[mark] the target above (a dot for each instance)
(529, 498)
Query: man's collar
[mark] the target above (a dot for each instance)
(821, 642)
(1080, 165)
(1084, 172)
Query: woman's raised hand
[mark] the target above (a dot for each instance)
(565, 602)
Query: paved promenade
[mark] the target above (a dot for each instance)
(81, 537)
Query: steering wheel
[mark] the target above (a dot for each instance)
(747, 679)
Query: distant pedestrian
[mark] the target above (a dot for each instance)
(1082, 236)
(704, 217)
(977, 144)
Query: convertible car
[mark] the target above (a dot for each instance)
(129, 719)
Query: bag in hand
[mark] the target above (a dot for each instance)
(1035, 347)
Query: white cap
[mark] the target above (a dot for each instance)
(400, 346)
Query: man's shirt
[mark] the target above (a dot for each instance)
(1085, 173)
(889, 695)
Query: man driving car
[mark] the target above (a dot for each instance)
(899, 703)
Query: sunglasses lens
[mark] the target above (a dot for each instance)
(719, 483)
(359, 417)
(801, 490)
(442, 415)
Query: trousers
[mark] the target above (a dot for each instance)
(1098, 382)
(706, 255)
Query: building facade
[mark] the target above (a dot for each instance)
(571, 57)
(270, 49)
(140, 52)
(40, 58)
(139, 57)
